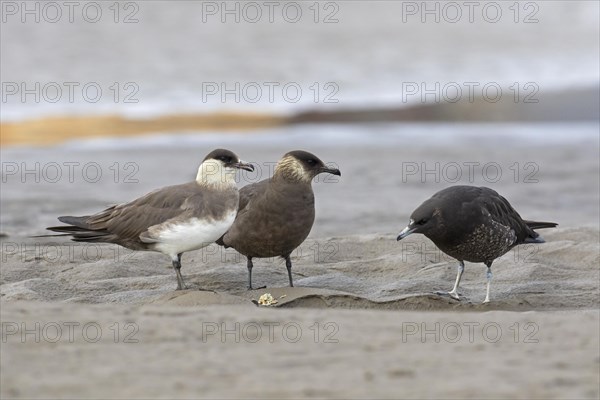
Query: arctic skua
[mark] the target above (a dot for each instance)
(171, 220)
(473, 224)
(276, 215)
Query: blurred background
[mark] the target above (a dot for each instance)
(148, 59)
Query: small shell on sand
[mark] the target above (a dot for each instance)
(266, 300)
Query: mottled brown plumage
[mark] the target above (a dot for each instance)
(473, 224)
(276, 215)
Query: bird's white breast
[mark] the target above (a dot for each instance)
(192, 234)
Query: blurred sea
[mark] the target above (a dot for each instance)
(179, 52)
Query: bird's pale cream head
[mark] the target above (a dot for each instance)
(301, 167)
(219, 167)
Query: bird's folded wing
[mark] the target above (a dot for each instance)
(133, 219)
(503, 213)
(250, 192)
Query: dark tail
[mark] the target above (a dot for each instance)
(540, 225)
(534, 237)
(78, 229)
(76, 225)
(79, 222)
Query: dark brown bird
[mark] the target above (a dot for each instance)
(472, 224)
(276, 215)
(171, 220)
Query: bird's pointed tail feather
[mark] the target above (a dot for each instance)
(540, 225)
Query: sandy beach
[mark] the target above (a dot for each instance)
(98, 321)
(171, 351)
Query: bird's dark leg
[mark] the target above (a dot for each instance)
(454, 291)
(250, 266)
(489, 281)
(177, 268)
(288, 265)
(250, 273)
(180, 283)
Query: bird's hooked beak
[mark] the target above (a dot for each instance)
(244, 165)
(406, 231)
(333, 171)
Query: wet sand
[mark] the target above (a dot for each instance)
(52, 130)
(552, 106)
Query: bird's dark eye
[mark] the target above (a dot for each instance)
(310, 161)
(225, 159)
(421, 221)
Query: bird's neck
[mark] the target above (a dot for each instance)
(284, 177)
(289, 170)
(212, 174)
